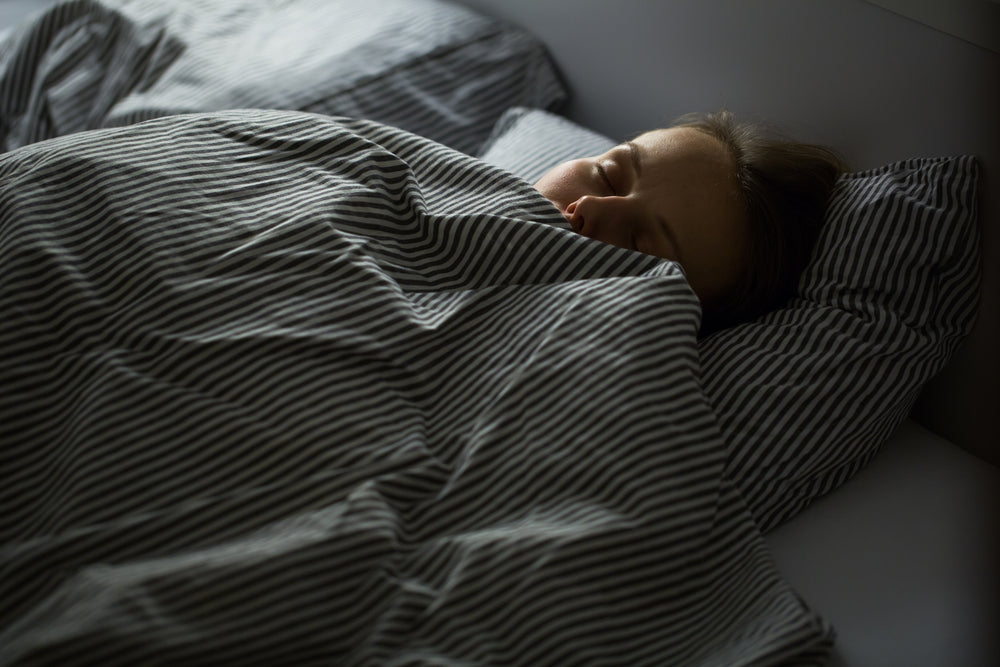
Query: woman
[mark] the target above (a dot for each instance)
(738, 209)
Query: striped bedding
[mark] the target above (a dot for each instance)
(429, 66)
(280, 388)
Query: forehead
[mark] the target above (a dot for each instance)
(685, 143)
(686, 161)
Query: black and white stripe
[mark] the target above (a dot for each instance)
(427, 66)
(807, 395)
(279, 389)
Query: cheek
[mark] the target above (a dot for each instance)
(721, 251)
(564, 184)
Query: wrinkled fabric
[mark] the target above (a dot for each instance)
(293, 389)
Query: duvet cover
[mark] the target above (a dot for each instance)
(281, 388)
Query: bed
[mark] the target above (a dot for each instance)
(298, 368)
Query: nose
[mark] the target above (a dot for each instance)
(606, 219)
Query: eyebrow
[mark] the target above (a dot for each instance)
(633, 151)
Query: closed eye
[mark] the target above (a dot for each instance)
(607, 181)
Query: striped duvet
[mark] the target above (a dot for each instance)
(279, 388)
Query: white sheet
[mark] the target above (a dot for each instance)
(902, 560)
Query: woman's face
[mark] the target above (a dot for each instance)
(670, 193)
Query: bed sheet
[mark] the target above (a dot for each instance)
(282, 387)
(903, 558)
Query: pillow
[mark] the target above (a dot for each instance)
(807, 394)
(431, 67)
(529, 142)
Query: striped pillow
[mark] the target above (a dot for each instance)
(529, 142)
(431, 67)
(807, 394)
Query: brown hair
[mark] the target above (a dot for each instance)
(785, 186)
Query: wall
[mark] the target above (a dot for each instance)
(976, 21)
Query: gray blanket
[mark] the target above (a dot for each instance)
(286, 389)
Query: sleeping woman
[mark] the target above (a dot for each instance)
(739, 210)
